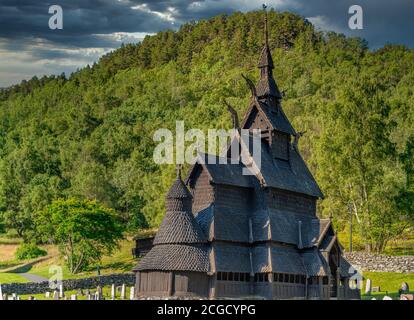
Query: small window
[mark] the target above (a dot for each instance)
(230, 276)
(218, 275)
(325, 280)
(297, 279)
(224, 276)
(247, 277)
(280, 277)
(236, 276)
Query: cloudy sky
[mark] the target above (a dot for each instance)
(91, 28)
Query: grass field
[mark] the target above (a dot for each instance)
(389, 282)
(11, 278)
(120, 261)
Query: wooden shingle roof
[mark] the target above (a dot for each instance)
(292, 175)
(284, 227)
(176, 257)
(220, 173)
(179, 227)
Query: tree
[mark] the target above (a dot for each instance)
(359, 164)
(83, 230)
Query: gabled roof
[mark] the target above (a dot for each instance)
(292, 175)
(227, 174)
(274, 116)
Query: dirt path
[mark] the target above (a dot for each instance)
(33, 277)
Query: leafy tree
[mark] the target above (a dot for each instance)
(83, 230)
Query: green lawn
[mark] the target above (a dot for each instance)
(389, 282)
(11, 278)
(120, 261)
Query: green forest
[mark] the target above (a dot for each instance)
(89, 135)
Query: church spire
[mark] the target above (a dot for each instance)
(267, 88)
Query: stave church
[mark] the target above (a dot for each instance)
(230, 235)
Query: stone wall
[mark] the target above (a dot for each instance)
(71, 284)
(381, 263)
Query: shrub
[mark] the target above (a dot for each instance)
(29, 251)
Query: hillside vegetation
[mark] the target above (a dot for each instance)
(90, 136)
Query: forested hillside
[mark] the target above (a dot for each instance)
(90, 136)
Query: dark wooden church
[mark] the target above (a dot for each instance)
(228, 235)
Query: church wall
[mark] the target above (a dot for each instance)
(292, 202)
(175, 283)
(202, 190)
(232, 289)
(232, 197)
(153, 283)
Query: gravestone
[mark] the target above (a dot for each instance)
(47, 294)
(5, 297)
(99, 291)
(123, 291)
(80, 292)
(87, 292)
(376, 289)
(368, 286)
(132, 293)
(404, 288)
(88, 297)
(113, 292)
(31, 298)
(73, 297)
(61, 293)
(55, 295)
(407, 297)
(387, 298)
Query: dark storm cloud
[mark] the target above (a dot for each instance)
(93, 27)
(81, 19)
(384, 21)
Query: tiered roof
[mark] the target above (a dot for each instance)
(180, 243)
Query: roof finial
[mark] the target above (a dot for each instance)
(266, 34)
(178, 169)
